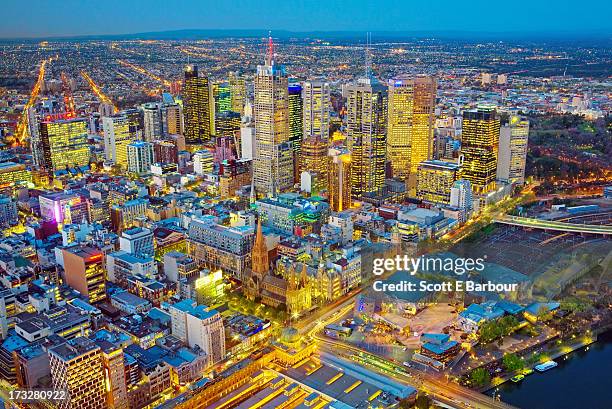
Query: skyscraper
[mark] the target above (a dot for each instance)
(238, 92)
(513, 140)
(296, 118)
(314, 158)
(317, 103)
(117, 136)
(479, 148)
(273, 162)
(410, 132)
(198, 102)
(339, 181)
(172, 119)
(76, 367)
(366, 132)
(63, 142)
(152, 122)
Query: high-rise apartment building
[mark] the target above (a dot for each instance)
(76, 367)
(366, 133)
(410, 133)
(513, 139)
(117, 136)
(198, 107)
(140, 157)
(63, 142)
(151, 113)
(479, 148)
(273, 162)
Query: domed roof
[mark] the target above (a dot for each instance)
(290, 335)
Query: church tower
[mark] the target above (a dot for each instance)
(259, 255)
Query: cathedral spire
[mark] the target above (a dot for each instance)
(260, 264)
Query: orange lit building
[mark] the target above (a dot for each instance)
(84, 272)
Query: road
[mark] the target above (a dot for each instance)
(96, 90)
(23, 121)
(440, 389)
(554, 225)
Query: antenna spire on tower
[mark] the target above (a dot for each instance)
(270, 56)
(368, 57)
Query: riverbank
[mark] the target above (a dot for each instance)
(581, 380)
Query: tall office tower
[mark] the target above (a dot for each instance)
(84, 272)
(513, 138)
(479, 147)
(410, 134)
(172, 119)
(317, 104)
(461, 195)
(63, 142)
(151, 113)
(434, 181)
(366, 125)
(227, 123)
(273, 162)
(137, 241)
(198, 104)
(296, 122)
(76, 367)
(117, 136)
(314, 158)
(114, 374)
(201, 326)
(140, 157)
(339, 181)
(238, 92)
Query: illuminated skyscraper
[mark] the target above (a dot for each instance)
(114, 374)
(435, 180)
(513, 140)
(273, 162)
(366, 132)
(317, 103)
(314, 158)
(198, 105)
(63, 142)
(117, 136)
(339, 181)
(76, 367)
(227, 123)
(479, 147)
(238, 92)
(222, 96)
(410, 134)
(296, 117)
(172, 119)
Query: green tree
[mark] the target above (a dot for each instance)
(512, 362)
(480, 377)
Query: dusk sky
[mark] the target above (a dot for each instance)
(40, 18)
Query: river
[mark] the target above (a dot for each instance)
(582, 381)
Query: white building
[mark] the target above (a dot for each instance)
(117, 137)
(137, 241)
(199, 326)
(140, 157)
(152, 121)
(203, 162)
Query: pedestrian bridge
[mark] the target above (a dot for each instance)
(528, 222)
